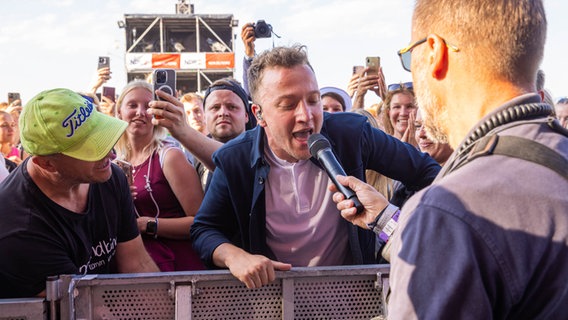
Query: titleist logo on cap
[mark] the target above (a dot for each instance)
(77, 118)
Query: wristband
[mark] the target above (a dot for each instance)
(386, 222)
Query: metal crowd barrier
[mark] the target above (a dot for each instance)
(342, 292)
(22, 309)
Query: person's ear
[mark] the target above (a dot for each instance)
(44, 162)
(257, 110)
(541, 94)
(437, 56)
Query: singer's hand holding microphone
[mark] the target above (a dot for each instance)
(358, 202)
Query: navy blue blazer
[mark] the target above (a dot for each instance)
(233, 209)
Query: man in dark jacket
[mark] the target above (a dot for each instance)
(267, 206)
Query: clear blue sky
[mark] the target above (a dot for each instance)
(55, 43)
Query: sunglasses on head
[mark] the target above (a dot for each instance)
(401, 85)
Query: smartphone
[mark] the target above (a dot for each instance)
(358, 69)
(164, 80)
(126, 167)
(373, 63)
(13, 96)
(104, 62)
(110, 93)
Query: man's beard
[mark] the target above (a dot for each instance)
(434, 114)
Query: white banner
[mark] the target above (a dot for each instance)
(138, 61)
(192, 60)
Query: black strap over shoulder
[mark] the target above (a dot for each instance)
(521, 148)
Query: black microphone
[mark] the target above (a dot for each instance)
(321, 150)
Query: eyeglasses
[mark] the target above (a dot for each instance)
(405, 54)
(397, 86)
(8, 125)
(563, 100)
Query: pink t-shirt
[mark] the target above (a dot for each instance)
(303, 225)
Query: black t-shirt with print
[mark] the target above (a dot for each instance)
(39, 238)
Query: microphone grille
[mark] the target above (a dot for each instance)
(316, 143)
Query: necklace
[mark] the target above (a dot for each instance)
(135, 170)
(147, 185)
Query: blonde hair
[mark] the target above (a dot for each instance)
(122, 146)
(287, 57)
(387, 125)
(189, 97)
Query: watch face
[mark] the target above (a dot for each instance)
(151, 227)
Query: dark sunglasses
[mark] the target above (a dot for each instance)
(401, 85)
(406, 52)
(563, 100)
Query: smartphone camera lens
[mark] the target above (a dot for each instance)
(161, 77)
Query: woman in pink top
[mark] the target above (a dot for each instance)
(7, 135)
(166, 189)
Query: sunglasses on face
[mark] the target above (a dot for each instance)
(563, 100)
(401, 85)
(405, 53)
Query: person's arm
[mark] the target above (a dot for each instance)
(247, 35)
(253, 270)
(185, 184)
(173, 118)
(353, 84)
(103, 75)
(132, 257)
(397, 160)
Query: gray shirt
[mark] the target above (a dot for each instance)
(489, 240)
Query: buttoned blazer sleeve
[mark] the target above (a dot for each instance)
(359, 146)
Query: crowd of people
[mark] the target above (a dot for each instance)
(463, 181)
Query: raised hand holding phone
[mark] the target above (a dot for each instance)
(373, 64)
(164, 80)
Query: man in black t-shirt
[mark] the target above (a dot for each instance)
(67, 209)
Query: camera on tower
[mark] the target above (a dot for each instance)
(262, 29)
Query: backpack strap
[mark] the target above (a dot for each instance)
(521, 148)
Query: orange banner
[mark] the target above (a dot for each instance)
(215, 60)
(165, 60)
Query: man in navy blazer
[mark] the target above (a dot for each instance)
(268, 207)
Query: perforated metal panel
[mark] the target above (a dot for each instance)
(340, 292)
(336, 298)
(144, 302)
(232, 300)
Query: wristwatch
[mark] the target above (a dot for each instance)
(152, 227)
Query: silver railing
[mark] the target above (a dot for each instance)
(342, 292)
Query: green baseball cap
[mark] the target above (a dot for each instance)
(63, 121)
